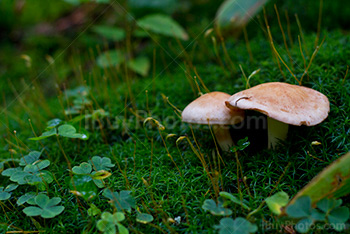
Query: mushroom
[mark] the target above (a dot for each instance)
(283, 104)
(210, 109)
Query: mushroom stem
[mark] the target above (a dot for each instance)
(276, 131)
(223, 137)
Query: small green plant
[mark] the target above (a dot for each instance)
(45, 207)
(327, 210)
(121, 201)
(93, 210)
(216, 209)
(65, 130)
(108, 222)
(241, 145)
(85, 179)
(229, 225)
(32, 174)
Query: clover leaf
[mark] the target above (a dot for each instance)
(83, 186)
(326, 209)
(97, 176)
(69, 131)
(122, 200)
(44, 135)
(93, 210)
(83, 168)
(46, 207)
(237, 226)
(65, 130)
(99, 163)
(53, 123)
(108, 222)
(216, 209)
(335, 214)
(5, 192)
(301, 208)
(30, 158)
(31, 174)
(241, 145)
(28, 197)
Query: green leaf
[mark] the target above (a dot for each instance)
(237, 226)
(110, 33)
(26, 198)
(144, 218)
(118, 217)
(5, 192)
(122, 229)
(140, 65)
(51, 132)
(121, 201)
(93, 210)
(83, 186)
(162, 24)
(108, 222)
(30, 158)
(110, 58)
(277, 201)
(327, 204)
(300, 208)
(317, 215)
(237, 13)
(107, 217)
(303, 225)
(11, 171)
(83, 168)
(106, 227)
(216, 209)
(10, 187)
(241, 145)
(332, 181)
(4, 195)
(69, 131)
(234, 199)
(47, 207)
(99, 163)
(39, 165)
(53, 123)
(338, 216)
(32, 211)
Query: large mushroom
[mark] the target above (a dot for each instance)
(283, 104)
(210, 109)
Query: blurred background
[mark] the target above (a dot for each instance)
(48, 44)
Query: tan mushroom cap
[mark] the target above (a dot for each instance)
(211, 107)
(291, 104)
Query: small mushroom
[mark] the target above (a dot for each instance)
(210, 109)
(283, 104)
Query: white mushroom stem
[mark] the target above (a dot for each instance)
(276, 131)
(223, 137)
